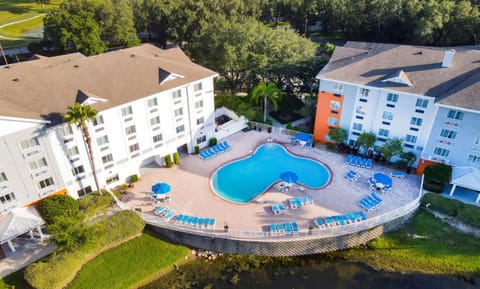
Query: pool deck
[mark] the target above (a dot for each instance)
(191, 192)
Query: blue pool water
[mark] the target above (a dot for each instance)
(243, 180)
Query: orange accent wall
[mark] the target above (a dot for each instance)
(321, 126)
(60, 192)
(422, 164)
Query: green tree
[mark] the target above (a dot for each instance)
(73, 26)
(392, 147)
(265, 93)
(409, 157)
(338, 135)
(366, 140)
(58, 206)
(80, 115)
(116, 18)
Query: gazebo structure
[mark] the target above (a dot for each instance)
(466, 177)
(18, 222)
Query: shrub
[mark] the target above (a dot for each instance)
(468, 214)
(62, 266)
(440, 173)
(176, 158)
(331, 147)
(289, 125)
(212, 141)
(134, 178)
(94, 203)
(58, 206)
(168, 161)
(197, 150)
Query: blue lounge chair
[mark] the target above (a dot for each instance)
(308, 199)
(169, 214)
(288, 228)
(293, 203)
(280, 229)
(225, 145)
(275, 209)
(194, 221)
(201, 221)
(273, 229)
(376, 197)
(398, 174)
(349, 159)
(328, 221)
(211, 223)
(319, 222)
(217, 150)
(179, 219)
(281, 207)
(160, 210)
(366, 205)
(369, 164)
(295, 228)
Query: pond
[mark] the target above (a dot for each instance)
(246, 272)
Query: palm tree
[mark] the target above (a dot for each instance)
(80, 114)
(268, 92)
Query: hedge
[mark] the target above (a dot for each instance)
(60, 268)
(58, 206)
(94, 203)
(466, 213)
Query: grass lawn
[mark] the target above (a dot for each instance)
(129, 264)
(425, 245)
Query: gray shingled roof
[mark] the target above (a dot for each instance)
(46, 87)
(369, 63)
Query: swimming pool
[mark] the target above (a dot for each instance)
(243, 180)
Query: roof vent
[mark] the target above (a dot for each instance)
(15, 79)
(132, 55)
(418, 53)
(448, 58)
(76, 66)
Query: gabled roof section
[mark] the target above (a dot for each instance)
(86, 98)
(399, 77)
(371, 64)
(467, 177)
(19, 221)
(164, 75)
(46, 87)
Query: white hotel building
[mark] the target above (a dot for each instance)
(151, 103)
(429, 97)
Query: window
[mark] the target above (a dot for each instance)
(357, 126)
(201, 139)
(102, 140)
(26, 144)
(387, 115)
(332, 121)
(7, 198)
(335, 104)
(441, 152)
(422, 103)
(45, 183)
(155, 121)
(130, 130)
(152, 102)
(177, 94)
(360, 110)
(98, 120)
(199, 104)
(416, 121)
(108, 158)
(448, 133)
(157, 138)
(364, 91)
(84, 191)
(411, 138)
(38, 163)
(200, 120)
(455, 114)
(473, 159)
(3, 177)
(477, 141)
(78, 170)
(127, 111)
(73, 151)
(65, 131)
(134, 148)
(197, 86)
(392, 97)
(337, 87)
(179, 112)
(362, 100)
(112, 179)
(180, 129)
(383, 132)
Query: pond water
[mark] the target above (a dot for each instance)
(298, 273)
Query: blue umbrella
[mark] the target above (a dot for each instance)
(289, 177)
(161, 188)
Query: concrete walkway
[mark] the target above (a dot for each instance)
(27, 252)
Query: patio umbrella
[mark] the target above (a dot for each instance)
(289, 177)
(161, 188)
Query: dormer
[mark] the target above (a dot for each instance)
(399, 77)
(164, 76)
(86, 98)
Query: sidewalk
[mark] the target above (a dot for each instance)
(27, 252)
